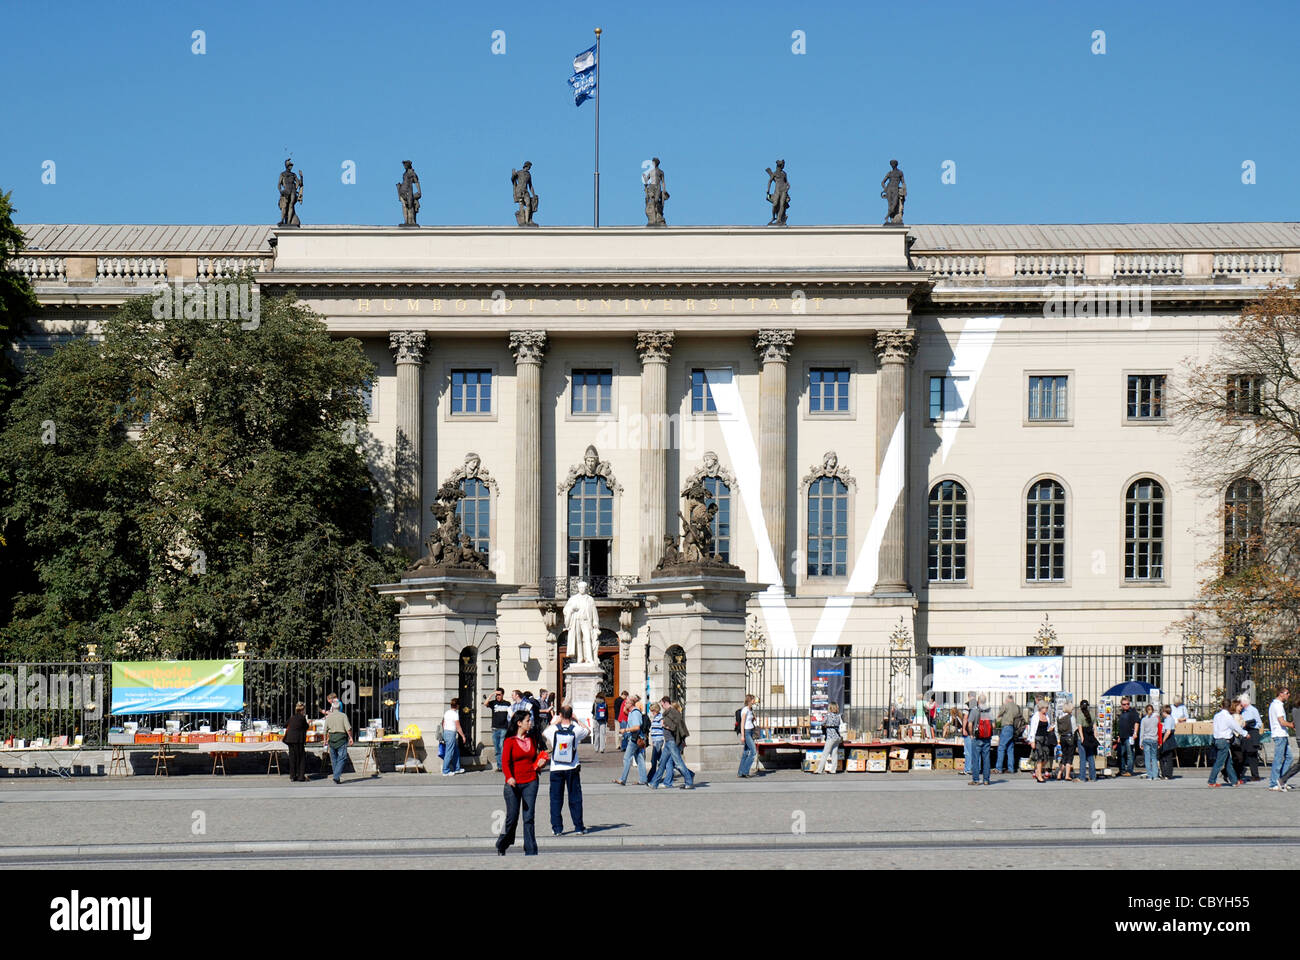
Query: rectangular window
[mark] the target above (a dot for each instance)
(1144, 664)
(1047, 398)
(1244, 393)
(471, 391)
(1146, 396)
(946, 399)
(593, 391)
(828, 390)
(702, 382)
(368, 398)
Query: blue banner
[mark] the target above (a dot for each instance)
(190, 685)
(583, 80)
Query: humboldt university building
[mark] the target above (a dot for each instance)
(953, 438)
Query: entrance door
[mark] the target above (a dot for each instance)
(607, 654)
(467, 694)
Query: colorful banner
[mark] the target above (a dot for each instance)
(167, 685)
(1023, 674)
(827, 688)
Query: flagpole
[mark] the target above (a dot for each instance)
(595, 210)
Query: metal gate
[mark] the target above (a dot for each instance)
(677, 675)
(468, 695)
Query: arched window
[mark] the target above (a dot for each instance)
(1045, 532)
(1243, 524)
(828, 528)
(591, 529)
(722, 519)
(947, 558)
(1144, 531)
(475, 512)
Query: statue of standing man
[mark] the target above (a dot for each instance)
(523, 184)
(894, 192)
(290, 195)
(778, 193)
(408, 191)
(655, 195)
(582, 621)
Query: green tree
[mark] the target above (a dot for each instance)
(17, 302)
(208, 484)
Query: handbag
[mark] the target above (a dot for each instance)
(442, 749)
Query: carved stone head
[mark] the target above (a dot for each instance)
(582, 587)
(710, 462)
(591, 460)
(471, 464)
(830, 461)
(288, 164)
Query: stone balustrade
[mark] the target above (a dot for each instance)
(1247, 263)
(214, 268)
(131, 268)
(41, 269)
(951, 265)
(1049, 265)
(1148, 265)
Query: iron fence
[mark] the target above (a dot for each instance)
(872, 684)
(52, 700)
(561, 588)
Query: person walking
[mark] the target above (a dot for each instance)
(501, 709)
(1278, 726)
(600, 724)
(452, 737)
(1237, 745)
(520, 761)
(748, 751)
(1225, 727)
(1087, 740)
(633, 743)
(979, 727)
(1168, 744)
(1007, 736)
(1067, 737)
(1254, 724)
(1128, 724)
(657, 741)
(675, 733)
(338, 735)
(1038, 735)
(562, 739)
(829, 761)
(545, 711)
(968, 742)
(620, 713)
(1150, 737)
(295, 738)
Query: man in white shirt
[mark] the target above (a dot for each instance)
(562, 738)
(1225, 725)
(1178, 712)
(1277, 729)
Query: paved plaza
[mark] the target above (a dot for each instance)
(784, 819)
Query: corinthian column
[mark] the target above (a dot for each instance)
(654, 347)
(408, 347)
(893, 351)
(529, 348)
(773, 348)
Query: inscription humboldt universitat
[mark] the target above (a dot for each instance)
(498, 306)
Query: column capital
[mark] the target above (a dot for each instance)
(528, 346)
(895, 346)
(654, 346)
(773, 346)
(409, 345)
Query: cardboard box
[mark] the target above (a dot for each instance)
(943, 753)
(943, 763)
(898, 753)
(1203, 727)
(876, 764)
(855, 766)
(898, 766)
(959, 765)
(921, 763)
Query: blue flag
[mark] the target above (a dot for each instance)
(583, 80)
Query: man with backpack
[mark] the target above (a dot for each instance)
(1007, 718)
(599, 721)
(979, 728)
(562, 738)
(675, 734)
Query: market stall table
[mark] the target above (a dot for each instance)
(221, 750)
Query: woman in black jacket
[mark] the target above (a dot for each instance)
(295, 738)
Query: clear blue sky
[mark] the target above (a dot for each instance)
(1040, 129)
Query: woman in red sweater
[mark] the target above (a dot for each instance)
(520, 761)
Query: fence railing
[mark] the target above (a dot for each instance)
(52, 700)
(872, 684)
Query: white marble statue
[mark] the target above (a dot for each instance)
(583, 623)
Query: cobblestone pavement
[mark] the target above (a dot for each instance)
(783, 819)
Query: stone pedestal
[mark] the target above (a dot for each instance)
(441, 616)
(581, 684)
(704, 614)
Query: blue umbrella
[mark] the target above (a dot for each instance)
(1130, 688)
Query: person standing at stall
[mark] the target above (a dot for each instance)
(1168, 744)
(979, 727)
(520, 761)
(1067, 737)
(1254, 724)
(1038, 735)
(1007, 736)
(338, 735)
(1129, 721)
(295, 738)
(1088, 745)
(1150, 737)
(829, 761)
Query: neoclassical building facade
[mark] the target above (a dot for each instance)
(955, 430)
